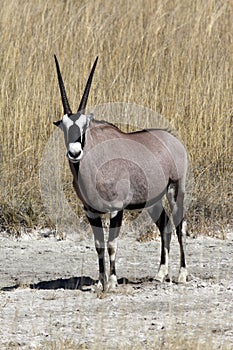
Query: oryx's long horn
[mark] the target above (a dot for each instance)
(83, 102)
(65, 102)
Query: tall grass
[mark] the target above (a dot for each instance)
(173, 56)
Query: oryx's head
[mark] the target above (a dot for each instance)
(75, 125)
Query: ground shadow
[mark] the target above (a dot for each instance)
(72, 283)
(83, 283)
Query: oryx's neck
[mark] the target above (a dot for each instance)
(100, 131)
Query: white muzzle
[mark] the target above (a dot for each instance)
(75, 152)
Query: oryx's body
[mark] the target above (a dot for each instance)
(113, 171)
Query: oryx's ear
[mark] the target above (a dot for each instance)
(90, 117)
(58, 123)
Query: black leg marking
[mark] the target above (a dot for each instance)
(115, 225)
(97, 228)
(161, 219)
(176, 201)
(162, 223)
(180, 237)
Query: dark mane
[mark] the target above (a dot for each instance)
(104, 122)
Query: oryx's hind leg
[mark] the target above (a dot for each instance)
(114, 229)
(175, 197)
(161, 219)
(97, 228)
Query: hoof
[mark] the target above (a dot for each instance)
(102, 284)
(112, 283)
(99, 285)
(162, 274)
(183, 274)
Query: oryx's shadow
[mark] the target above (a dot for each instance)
(83, 283)
(80, 283)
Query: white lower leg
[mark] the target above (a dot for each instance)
(183, 273)
(112, 249)
(163, 268)
(103, 278)
(112, 282)
(103, 281)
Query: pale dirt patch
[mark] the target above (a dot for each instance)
(140, 314)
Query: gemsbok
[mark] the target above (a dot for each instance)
(113, 170)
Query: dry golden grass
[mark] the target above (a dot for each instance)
(175, 57)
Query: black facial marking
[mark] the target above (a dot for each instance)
(74, 133)
(58, 123)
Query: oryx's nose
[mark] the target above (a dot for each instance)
(74, 148)
(74, 151)
(74, 154)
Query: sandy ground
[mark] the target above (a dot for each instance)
(48, 299)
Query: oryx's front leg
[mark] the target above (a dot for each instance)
(97, 228)
(115, 225)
